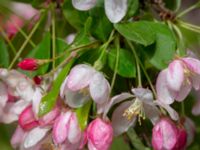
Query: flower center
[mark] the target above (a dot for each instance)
(136, 109)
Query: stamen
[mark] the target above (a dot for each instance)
(136, 109)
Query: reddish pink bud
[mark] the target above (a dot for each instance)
(37, 80)
(27, 120)
(182, 139)
(29, 64)
(166, 135)
(100, 135)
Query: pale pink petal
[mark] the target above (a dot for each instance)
(196, 108)
(25, 89)
(3, 94)
(12, 111)
(17, 137)
(74, 134)
(27, 119)
(195, 79)
(192, 64)
(60, 128)
(120, 123)
(83, 4)
(80, 77)
(83, 140)
(63, 88)
(34, 136)
(91, 146)
(69, 146)
(117, 99)
(99, 88)
(75, 99)
(49, 118)
(183, 93)
(163, 93)
(173, 114)
(143, 94)
(37, 96)
(24, 10)
(152, 112)
(190, 129)
(175, 75)
(115, 9)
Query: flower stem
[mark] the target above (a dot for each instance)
(116, 62)
(137, 63)
(143, 69)
(188, 10)
(135, 140)
(25, 42)
(53, 38)
(8, 41)
(183, 108)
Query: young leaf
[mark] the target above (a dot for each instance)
(4, 55)
(162, 52)
(49, 100)
(83, 114)
(126, 67)
(42, 51)
(139, 32)
(133, 6)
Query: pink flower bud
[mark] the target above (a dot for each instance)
(100, 135)
(29, 64)
(166, 135)
(27, 120)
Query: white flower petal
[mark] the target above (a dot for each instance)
(34, 136)
(173, 114)
(115, 9)
(117, 99)
(175, 75)
(37, 96)
(183, 93)
(120, 123)
(83, 4)
(75, 99)
(74, 133)
(3, 94)
(80, 77)
(99, 88)
(143, 94)
(163, 93)
(152, 112)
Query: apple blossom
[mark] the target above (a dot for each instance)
(140, 105)
(176, 81)
(82, 83)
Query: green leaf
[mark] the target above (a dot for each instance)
(126, 66)
(49, 100)
(135, 140)
(82, 37)
(61, 47)
(163, 51)
(4, 55)
(101, 26)
(83, 114)
(42, 51)
(139, 32)
(173, 4)
(120, 143)
(133, 6)
(75, 18)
